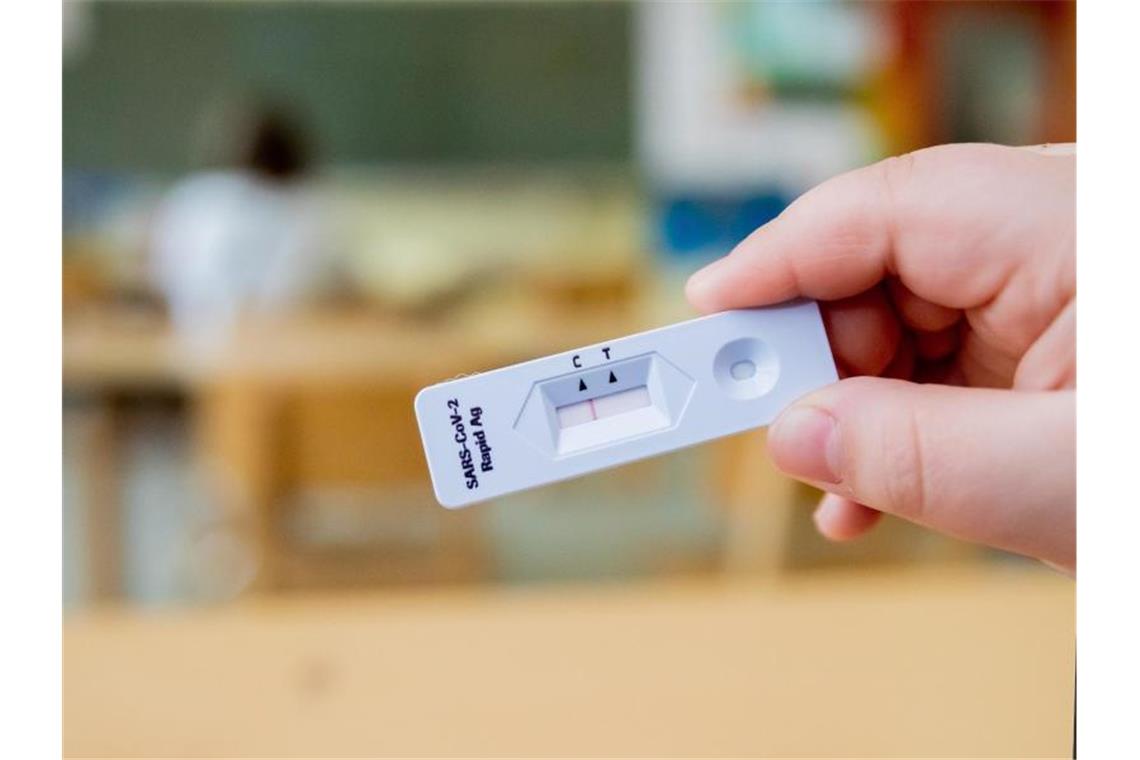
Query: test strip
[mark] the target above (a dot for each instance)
(576, 412)
(610, 405)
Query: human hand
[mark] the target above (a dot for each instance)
(947, 283)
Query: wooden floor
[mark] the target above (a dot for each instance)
(967, 662)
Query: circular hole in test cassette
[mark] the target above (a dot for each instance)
(746, 368)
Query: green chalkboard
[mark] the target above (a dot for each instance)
(425, 82)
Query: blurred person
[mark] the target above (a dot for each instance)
(247, 237)
(947, 280)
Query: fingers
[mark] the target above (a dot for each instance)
(918, 313)
(1051, 362)
(840, 519)
(953, 223)
(867, 339)
(902, 366)
(933, 346)
(993, 467)
(863, 332)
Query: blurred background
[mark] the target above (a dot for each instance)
(282, 219)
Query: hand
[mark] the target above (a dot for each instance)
(947, 283)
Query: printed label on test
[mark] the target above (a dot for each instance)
(634, 397)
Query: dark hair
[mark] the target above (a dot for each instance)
(277, 148)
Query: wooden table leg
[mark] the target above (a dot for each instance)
(100, 472)
(236, 435)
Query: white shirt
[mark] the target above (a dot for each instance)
(228, 243)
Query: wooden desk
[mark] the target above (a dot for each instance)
(117, 350)
(270, 406)
(976, 663)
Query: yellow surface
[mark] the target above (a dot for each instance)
(124, 351)
(964, 663)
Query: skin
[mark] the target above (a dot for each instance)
(947, 282)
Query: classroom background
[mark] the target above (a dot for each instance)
(282, 219)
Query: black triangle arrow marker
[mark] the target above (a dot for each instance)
(581, 384)
(613, 378)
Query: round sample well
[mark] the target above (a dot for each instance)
(746, 368)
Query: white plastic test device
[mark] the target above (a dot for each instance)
(634, 397)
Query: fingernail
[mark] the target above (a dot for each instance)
(804, 442)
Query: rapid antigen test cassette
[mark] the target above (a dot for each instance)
(591, 408)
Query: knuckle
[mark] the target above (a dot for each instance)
(904, 467)
(884, 457)
(894, 175)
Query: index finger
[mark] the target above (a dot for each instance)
(953, 222)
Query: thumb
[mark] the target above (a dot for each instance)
(990, 466)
